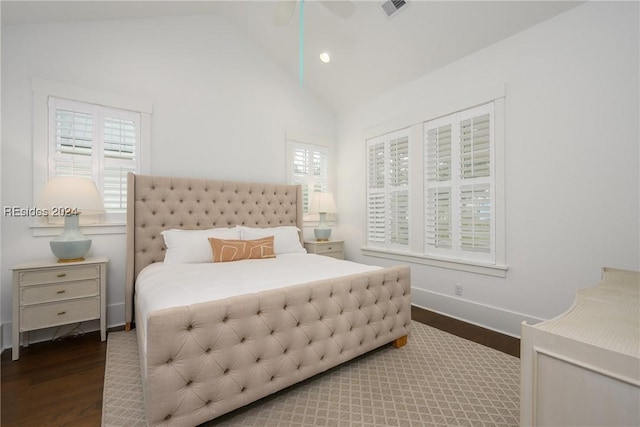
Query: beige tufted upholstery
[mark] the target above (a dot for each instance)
(155, 204)
(207, 359)
(225, 354)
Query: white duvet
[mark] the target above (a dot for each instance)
(162, 286)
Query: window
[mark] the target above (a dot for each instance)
(459, 183)
(388, 190)
(95, 142)
(435, 186)
(97, 135)
(308, 167)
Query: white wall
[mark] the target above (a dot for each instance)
(572, 161)
(220, 110)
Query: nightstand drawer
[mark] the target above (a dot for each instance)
(325, 248)
(59, 291)
(61, 274)
(46, 315)
(336, 255)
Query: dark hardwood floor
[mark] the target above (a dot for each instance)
(60, 383)
(486, 337)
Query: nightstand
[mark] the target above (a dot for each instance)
(332, 248)
(50, 293)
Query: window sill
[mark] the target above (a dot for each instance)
(460, 265)
(39, 230)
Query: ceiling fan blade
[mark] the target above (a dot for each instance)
(343, 9)
(284, 12)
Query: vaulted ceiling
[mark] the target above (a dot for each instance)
(370, 52)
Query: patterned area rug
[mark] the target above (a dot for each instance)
(437, 379)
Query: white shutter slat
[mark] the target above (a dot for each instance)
(438, 153)
(376, 219)
(475, 218)
(119, 138)
(438, 218)
(73, 132)
(475, 147)
(115, 187)
(376, 166)
(399, 217)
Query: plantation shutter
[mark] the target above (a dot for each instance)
(388, 190)
(73, 142)
(459, 182)
(475, 189)
(399, 191)
(310, 170)
(438, 207)
(376, 214)
(120, 150)
(95, 142)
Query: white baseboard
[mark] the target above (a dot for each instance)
(493, 318)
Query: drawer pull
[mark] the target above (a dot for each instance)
(61, 292)
(62, 274)
(329, 247)
(61, 313)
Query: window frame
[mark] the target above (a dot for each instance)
(457, 183)
(42, 91)
(316, 143)
(437, 107)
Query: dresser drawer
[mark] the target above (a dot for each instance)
(54, 314)
(61, 274)
(59, 291)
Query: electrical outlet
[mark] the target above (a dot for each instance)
(458, 290)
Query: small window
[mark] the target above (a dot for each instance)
(95, 142)
(92, 134)
(308, 167)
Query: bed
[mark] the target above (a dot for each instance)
(201, 359)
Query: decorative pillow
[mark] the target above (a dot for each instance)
(192, 246)
(286, 238)
(235, 250)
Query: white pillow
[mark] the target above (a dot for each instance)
(192, 246)
(286, 239)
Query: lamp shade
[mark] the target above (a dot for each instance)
(69, 196)
(72, 192)
(323, 203)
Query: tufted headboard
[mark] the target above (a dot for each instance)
(155, 204)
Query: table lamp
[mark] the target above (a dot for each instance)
(322, 203)
(69, 196)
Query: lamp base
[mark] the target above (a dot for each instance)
(322, 234)
(71, 260)
(70, 251)
(71, 245)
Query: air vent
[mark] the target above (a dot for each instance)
(391, 7)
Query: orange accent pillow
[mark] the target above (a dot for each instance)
(235, 250)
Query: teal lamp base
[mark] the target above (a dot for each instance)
(322, 232)
(71, 245)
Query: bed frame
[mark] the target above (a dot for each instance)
(207, 359)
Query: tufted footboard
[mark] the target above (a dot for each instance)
(210, 358)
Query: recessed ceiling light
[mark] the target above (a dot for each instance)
(324, 57)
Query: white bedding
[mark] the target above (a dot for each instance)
(162, 286)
